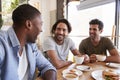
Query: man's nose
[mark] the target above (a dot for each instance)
(91, 30)
(40, 30)
(61, 32)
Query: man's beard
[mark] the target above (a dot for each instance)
(60, 38)
(92, 36)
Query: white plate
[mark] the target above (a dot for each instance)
(78, 72)
(83, 68)
(114, 65)
(97, 75)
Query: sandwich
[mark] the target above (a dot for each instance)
(110, 75)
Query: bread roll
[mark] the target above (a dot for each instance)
(69, 75)
(72, 70)
(72, 74)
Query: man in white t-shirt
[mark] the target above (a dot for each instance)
(57, 46)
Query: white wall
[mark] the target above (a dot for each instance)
(52, 5)
(48, 10)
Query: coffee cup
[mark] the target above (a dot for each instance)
(79, 59)
(101, 57)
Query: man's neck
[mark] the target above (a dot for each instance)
(21, 37)
(95, 41)
(58, 41)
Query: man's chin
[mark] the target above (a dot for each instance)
(60, 38)
(32, 42)
(92, 37)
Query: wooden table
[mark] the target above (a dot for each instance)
(86, 75)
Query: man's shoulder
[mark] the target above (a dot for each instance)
(86, 39)
(33, 46)
(68, 40)
(3, 34)
(49, 39)
(104, 38)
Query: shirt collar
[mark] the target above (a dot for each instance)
(13, 38)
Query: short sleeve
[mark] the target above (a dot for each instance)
(72, 44)
(109, 44)
(82, 46)
(48, 44)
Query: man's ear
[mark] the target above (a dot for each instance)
(53, 32)
(28, 24)
(101, 31)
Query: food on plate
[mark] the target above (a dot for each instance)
(73, 70)
(71, 75)
(110, 75)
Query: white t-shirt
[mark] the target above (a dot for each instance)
(23, 66)
(61, 50)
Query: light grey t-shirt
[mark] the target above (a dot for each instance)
(61, 50)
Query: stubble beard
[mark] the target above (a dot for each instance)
(59, 39)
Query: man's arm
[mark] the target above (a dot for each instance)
(43, 65)
(56, 61)
(50, 75)
(114, 56)
(2, 56)
(86, 57)
(75, 52)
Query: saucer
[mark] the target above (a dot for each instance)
(83, 68)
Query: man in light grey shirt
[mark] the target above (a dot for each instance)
(61, 50)
(58, 45)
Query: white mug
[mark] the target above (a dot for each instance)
(101, 57)
(79, 59)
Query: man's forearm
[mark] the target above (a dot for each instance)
(50, 75)
(113, 59)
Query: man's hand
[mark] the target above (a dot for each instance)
(50, 75)
(93, 58)
(86, 59)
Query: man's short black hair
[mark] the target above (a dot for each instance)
(98, 22)
(24, 12)
(61, 21)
